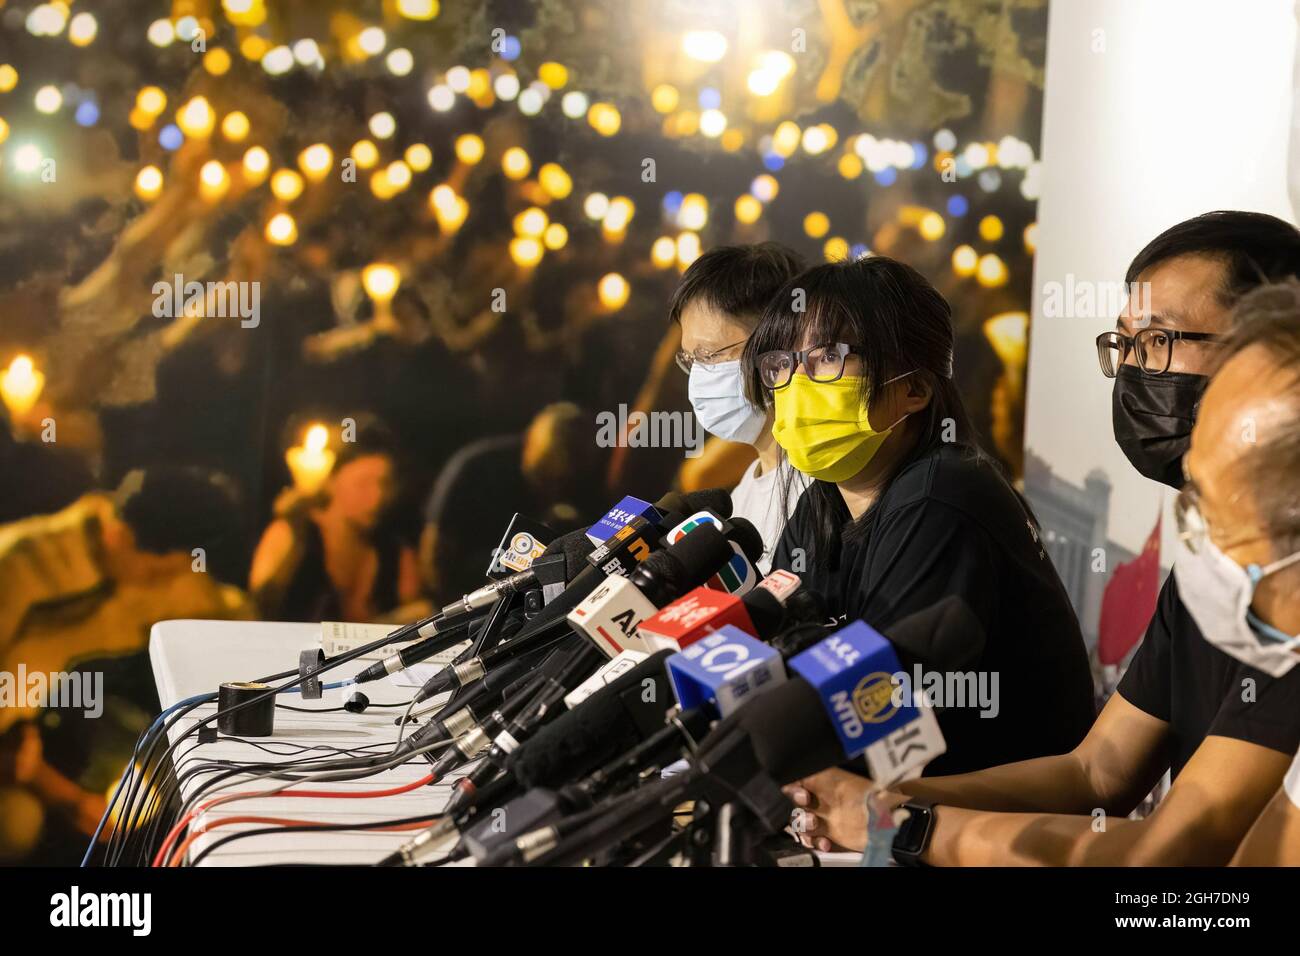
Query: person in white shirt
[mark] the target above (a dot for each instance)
(718, 304)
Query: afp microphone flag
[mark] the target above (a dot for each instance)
(1129, 601)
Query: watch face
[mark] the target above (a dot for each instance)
(911, 835)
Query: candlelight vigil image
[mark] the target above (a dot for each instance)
(546, 435)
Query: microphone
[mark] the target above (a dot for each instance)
(548, 571)
(843, 703)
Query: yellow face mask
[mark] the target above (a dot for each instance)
(824, 429)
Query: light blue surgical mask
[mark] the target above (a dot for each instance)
(717, 394)
(1217, 592)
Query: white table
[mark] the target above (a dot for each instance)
(194, 657)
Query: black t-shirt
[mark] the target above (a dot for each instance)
(1179, 677)
(949, 523)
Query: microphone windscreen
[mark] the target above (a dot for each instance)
(790, 732)
(947, 635)
(743, 532)
(608, 723)
(717, 500)
(700, 553)
(575, 546)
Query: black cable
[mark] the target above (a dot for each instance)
(308, 828)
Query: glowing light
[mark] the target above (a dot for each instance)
(151, 100)
(278, 60)
(399, 174)
(161, 33)
(149, 183)
(664, 98)
(418, 9)
(688, 249)
(1031, 237)
(469, 148)
(977, 154)
(555, 236)
(694, 213)
(382, 125)
(235, 126)
(441, 98)
(530, 102)
(764, 187)
(557, 183)
(307, 52)
(458, 78)
(525, 251)
(515, 163)
(48, 99)
(311, 462)
(214, 181)
(282, 230)
(965, 260)
(47, 20)
(21, 385)
(574, 104)
(82, 29)
(785, 140)
(816, 224)
(619, 214)
(531, 222)
(4, 130)
(217, 61)
(196, 118)
(613, 291)
(256, 163)
(836, 249)
(372, 40)
(555, 75)
(605, 118)
(932, 226)
(816, 140)
(712, 123)
(170, 137)
(850, 166)
(663, 252)
(596, 205)
(8, 77)
(748, 209)
(419, 157)
(1006, 332)
(27, 158)
(286, 185)
(254, 47)
(365, 153)
(506, 86)
(991, 272)
(707, 46)
(399, 61)
(381, 281)
(990, 228)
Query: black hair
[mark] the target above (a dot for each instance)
(904, 327)
(1269, 316)
(1254, 247)
(736, 280)
(371, 437)
(177, 508)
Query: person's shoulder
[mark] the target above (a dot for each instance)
(961, 477)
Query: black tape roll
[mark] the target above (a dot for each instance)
(255, 720)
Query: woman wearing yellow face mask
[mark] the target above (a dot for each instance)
(855, 361)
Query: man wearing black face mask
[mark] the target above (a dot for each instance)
(1224, 728)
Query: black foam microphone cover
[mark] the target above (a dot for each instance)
(743, 533)
(605, 725)
(717, 500)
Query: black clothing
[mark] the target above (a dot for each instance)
(948, 523)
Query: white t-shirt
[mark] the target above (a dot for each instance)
(1292, 782)
(757, 499)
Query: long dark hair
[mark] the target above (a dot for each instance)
(902, 324)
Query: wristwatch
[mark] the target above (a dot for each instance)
(913, 836)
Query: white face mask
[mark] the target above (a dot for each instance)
(1217, 592)
(717, 394)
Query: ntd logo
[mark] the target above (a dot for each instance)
(737, 576)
